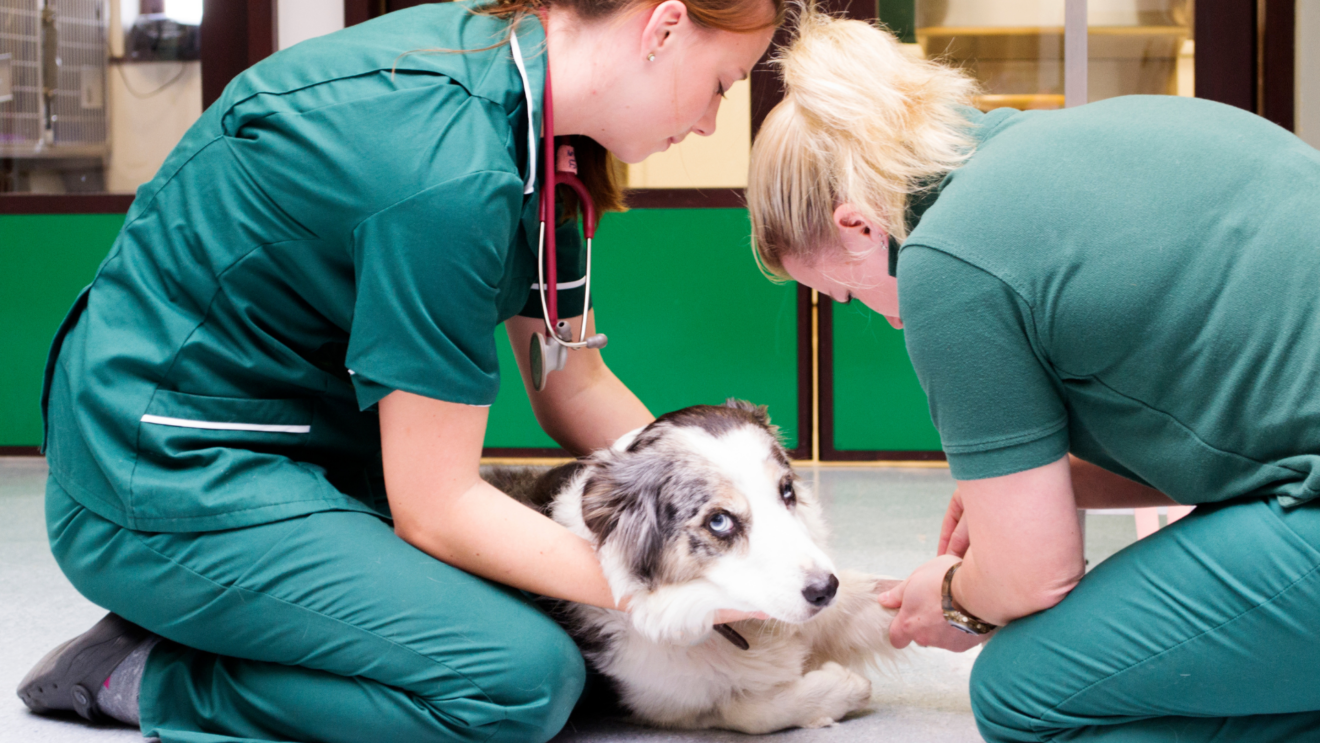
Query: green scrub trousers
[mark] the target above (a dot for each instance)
(1209, 623)
(326, 627)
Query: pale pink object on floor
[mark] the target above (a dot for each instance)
(1148, 519)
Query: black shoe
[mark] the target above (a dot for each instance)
(69, 677)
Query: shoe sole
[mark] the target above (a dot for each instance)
(69, 677)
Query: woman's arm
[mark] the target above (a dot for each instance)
(432, 451)
(1025, 556)
(1097, 487)
(1026, 543)
(1021, 546)
(584, 406)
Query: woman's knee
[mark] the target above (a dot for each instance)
(541, 684)
(85, 546)
(1006, 706)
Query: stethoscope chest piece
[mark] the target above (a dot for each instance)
(551, 354)
(546, 356)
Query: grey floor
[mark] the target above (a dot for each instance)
(885, 520)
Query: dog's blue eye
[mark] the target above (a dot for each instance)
(787, 493)
(720, 523)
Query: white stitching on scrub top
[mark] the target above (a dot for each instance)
(161, 420)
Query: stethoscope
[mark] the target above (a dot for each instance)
(549, 351)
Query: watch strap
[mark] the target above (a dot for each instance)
(957, 617)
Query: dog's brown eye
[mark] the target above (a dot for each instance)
(786, 492)
(721, 524)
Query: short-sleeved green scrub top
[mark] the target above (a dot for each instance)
(347, 220)
(1135, 281)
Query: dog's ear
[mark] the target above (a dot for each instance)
(759, 412)
(627, 517)
(548, 486)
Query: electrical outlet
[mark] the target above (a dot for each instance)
(93, 87)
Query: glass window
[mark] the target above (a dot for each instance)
(94, 93)
(1015, 48)
(1140, 47)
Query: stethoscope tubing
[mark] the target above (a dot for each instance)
(547, 260)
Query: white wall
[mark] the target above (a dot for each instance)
(301, 20)
(1308, 71)
(143, 130)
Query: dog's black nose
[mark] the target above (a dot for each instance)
(821, 592)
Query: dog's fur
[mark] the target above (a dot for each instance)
(701, 511)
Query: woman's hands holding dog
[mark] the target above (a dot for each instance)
(919, 598)
(920, 610)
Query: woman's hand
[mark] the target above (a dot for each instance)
(921, 612)
(953, 532)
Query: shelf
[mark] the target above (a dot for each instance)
(29, 151)
(1050, 30)
(1046, 42)
(1020, 101)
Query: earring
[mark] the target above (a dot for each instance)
(650, 57)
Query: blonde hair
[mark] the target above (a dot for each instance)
(862, 122)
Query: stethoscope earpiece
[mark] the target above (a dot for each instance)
(564, 331)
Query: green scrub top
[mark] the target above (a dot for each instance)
(347, 220)
(1135, 281)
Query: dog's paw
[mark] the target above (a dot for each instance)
(822, 722)
(846, 691)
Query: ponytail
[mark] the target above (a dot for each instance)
(862, 122)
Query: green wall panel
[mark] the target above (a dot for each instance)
(690, 320)
(45, 260)
(878, 403)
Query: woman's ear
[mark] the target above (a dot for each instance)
(658, 34)
(857, 232)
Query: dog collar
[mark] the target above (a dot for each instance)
(732, 636)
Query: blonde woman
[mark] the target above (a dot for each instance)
(265, 416)
(1110, 306)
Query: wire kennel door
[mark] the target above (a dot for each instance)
(71, 120)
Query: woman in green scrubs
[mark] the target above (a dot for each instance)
(265, 415)
(1114, 305)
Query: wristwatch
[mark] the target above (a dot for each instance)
(954, 615)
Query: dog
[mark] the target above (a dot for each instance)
(700, 511)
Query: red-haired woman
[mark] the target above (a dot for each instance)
(265, 415)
